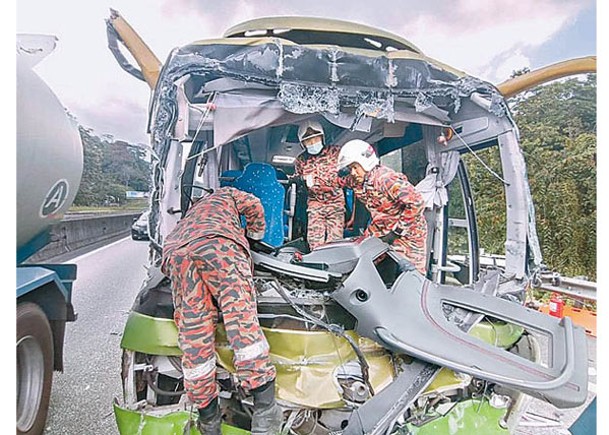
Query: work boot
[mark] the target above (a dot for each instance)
(267, 417)
(210, 419)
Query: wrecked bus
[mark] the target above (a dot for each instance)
(362, 342)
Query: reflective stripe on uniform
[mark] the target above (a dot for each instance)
(200, 371)
(252, 351)
(256, 235)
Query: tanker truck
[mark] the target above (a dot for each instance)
(49, 169)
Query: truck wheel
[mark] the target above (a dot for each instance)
(34, 368)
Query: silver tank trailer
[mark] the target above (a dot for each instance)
(49, 147)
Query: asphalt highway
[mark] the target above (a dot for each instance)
(108, 281)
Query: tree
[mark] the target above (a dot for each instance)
(557, 124)
(111, 167)
(558, 129)
(92, 176)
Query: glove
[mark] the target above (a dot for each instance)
(389, 238)
(251, 242)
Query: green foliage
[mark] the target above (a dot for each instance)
(110, 169)
(127, 165)
(92, 176)
(488, 193)
(557, 124)
(132, 206)
(414, 162)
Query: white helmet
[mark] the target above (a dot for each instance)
(357, 151)
(306, 125)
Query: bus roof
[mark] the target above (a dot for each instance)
(312, 30)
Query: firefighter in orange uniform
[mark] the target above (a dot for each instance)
(316, 166)
(208, 261)
(395, 206)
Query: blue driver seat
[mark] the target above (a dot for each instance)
(260, 179)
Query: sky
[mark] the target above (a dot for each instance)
(488, 39)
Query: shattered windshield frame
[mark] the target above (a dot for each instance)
(291, 82)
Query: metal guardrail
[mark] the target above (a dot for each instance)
(572, 287)
(575, 288)
(69, 235)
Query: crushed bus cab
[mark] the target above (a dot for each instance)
(362, 343)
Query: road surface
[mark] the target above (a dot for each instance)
(107, 283)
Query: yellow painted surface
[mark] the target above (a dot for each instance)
(148, 62)
(306, 362)
(518, 84)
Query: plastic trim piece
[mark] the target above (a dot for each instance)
(390, 315)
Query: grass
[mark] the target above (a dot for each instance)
(134, 205)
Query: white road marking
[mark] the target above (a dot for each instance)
(83, 256)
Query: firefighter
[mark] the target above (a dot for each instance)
(208, 261)
(316, 167)
(395, 206)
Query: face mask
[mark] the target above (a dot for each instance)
(315, 148)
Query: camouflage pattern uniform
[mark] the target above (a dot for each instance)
(394, 204)
(208, 261)
(326, 202)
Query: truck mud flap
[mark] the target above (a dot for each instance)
(379, 413)
(411, 317)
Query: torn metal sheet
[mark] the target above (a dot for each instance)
(324, 79)
(475, 416)
(520, 235)
(377, 415)
(429, 306)
(150, 335)
(130, 422)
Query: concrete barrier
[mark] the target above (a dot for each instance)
(77, 232)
